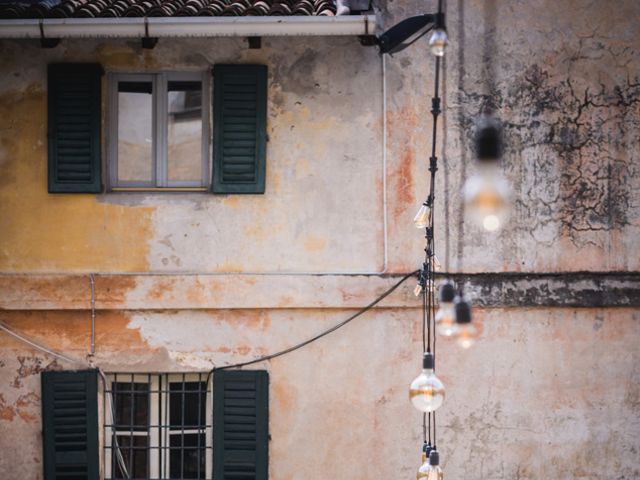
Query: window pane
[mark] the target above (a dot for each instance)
(135, 133)
(133, 456)
(184, 137)
(187, 404)
(131, 404)
(187, 460)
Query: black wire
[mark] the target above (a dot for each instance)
(322, 334)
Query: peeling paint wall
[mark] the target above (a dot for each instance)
(324, 170)
(543, 390)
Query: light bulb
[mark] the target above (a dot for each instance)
(466, 333)
(446, 315)
(486, 196)
(438, 42)
(421, 220)
(426, 391)
(434, 472)
(418, 290)
(437, 266)
(423, 470)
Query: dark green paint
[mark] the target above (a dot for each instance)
(70, 425)
(240, 424)
(239, 128)
(74, 103)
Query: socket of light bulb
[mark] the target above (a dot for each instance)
(434, 457)
(428, 361)
(447, 292)
(488, 139)
(426, 448)
(463, 311)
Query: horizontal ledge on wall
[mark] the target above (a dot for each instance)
(180, 292)
(569, 289)
(188, 27)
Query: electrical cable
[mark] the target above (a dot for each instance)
(322, 334)
(37, 346)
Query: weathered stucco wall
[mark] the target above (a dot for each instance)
(322, 210)
(538, 396)
(542, 392)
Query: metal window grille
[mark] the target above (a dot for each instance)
(158, 426)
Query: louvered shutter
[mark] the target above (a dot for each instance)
(240, 128)
(240, 425)
(70, 425)
(74, 128)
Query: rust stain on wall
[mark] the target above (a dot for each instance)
(401, 125)
(69, 332)
(7, 412)
(313, 243)
(31, 366)
(113, 290)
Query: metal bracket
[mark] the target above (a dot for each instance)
(255, 42)
(147, 41)
(47, 42)
(368, 40)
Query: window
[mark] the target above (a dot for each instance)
(158, 426)
(158, 131)
(158, 135)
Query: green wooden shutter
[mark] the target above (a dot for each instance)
(74, 128)
(70, 425)
(240, 425)
(240, 128)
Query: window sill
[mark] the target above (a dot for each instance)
(158, 189)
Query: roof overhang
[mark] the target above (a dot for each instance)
(127, 27)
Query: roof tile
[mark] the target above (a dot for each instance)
(165, 8)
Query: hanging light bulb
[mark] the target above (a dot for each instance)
(438, 42)
(466, 332)
(418, 289)
(446, 314)
(434, 472)
(426, 391)
(437, 266)
(423, 470)
(422, 218)
(486, 194)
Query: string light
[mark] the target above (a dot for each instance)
(466, 332)
(438, 42)
(486, 194)
(446, 315)
(423, 217)
(434, 472)
(427, 391)
(423, 470)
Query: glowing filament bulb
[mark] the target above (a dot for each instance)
(446, 314)
(422, 218)
(466, 332)
(423, 470)
(435, 472)
(486, 194)
(437, 266)
(427, 391)
(438, 42)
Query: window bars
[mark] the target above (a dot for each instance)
(158, 426)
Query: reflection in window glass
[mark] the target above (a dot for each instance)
(135, 137)
(184, 131)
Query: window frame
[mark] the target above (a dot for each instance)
(159, 119)
(158, 431)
